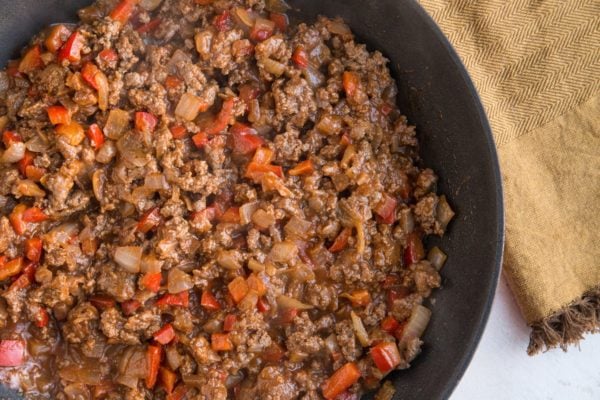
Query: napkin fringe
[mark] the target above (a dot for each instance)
(567, 325)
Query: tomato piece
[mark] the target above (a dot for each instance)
(341, 380)
(16, 219)
(56, 38)
(179, 132)
(58, 115)
(181, 390)
(223, 117)
(209, 301)
(150, 220)
(25, 162)
(179, 299)
(35, 215)
(386, 356)
(223, 21)
(10, 137)
(130, 306)
(153, 357)
(11, 268)
(256, 285)
(165, 335)
(238, 289)
(262, 305)
(386, 210)
(96, 136)
(108, 55)
(341, 241)
(102, 302)
(220, 342)
(200, 139)
(414, 251)
(123, 11)
(12, 352)
(389, 324)
(300, 58)
(151, 281)
(150, 26)
(303, 168)
(71, 50)
(145, 122)
(229, 322)
(351, 82)
(168, 379)
(32, 60)
(33, 249)
(281, 21)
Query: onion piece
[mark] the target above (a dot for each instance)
(98, 181)
(228, 259)
(173, 357)
(286, 303)
(102, 83)
(273, 67)
(14, 153)
(329, 124)
(360, 237)
(116, 124)
(150, 264)
(332, 344)
(37, 144)
(437, 257)
(107, 152)
(129, 258)
(283, 252)
(301, 273)
(359, 330)
(262, 219)
(188, 106)
(418, 321)
(63, 233)
(255, 266)
(245, 17)
(246, 211)
(444, 212)
(29, 188)
(298, 227)
(349, 154)
(178, 281)
(156, 181)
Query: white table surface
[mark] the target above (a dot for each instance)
(502, 370)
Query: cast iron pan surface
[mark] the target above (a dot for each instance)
(437, 95)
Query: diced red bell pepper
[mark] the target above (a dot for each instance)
(300, 58)
(56, 38)
(179, 132)
(229, 322)
(305, 167)
(145, 122)
(34, 173)
(32, 60)
(25, 162)
(351, 83)
(88, 73)
(71, 50)
(108, 55)
(220, 342)
(41, 318)
(238, 289)
(341, 241)
(96, 136)
(16, 219)
(29, 271)
(256, 171)
(180, 299)
(12, 352)
(33, 249)
(263, 155)
(414, 251)
(281, 21)
(256, 285)
(386, 210)
(345, 140)
(168, 379)
(386, 356)
(58, 115)
(153, 356)
(287, 316)
(231, 216)
(149, 26)
(389, 324)
(200, 139)
(209, 301)
(130, 306)
(11, 268)
(150, 220)
(262, 305)
(10, 137)
(165, 335)
(223, 117)
(399, 332)
(102, 302)
(151, 281)
(181, 390)
(223, 21)
(35, 215)
(245, 139)
(123, 11)
(341, 380)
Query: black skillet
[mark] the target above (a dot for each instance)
(437, 95)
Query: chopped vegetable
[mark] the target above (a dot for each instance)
(437, 257)
(145, 122)
(102, 302)
(12, 352)
(444, 212)
(34, 173)
(41, 318)
(151, 281)
(129, 258)
(414, 251)
(223, 117)
(300, 58)
(59, 115)
(281, 21)
(165, 335)
(245, 139)
(88, 73)
(341, 241)
(180, 299)
(290, 303)
(33, 249)
(341, 380)
(221, 342)
(11, 268)
(359, 297)
(123, 11)
(179, 281)
(56, 38)
(35, 215)
(351, 83)
(359, 329)
(150, 220)
(223, 21)
(16, 219)
(181, 390)
(71, 50)
(189, 106)
(208, 301)
(72, 132)
(149, 26)
(231, 215)
(168, 379)
(10, 137)
(283, 251)
(95, 135)
(200, 139)
(178, 131)
(238, 289)
(256, 171)
(117, 123)
(14, 153)
(31, 61)
(417, 323)
(262, 29)
(389, 324)
(304, 168)
(386, 356)
(256, 285)
(130, 306)
(108, 55)
(153, 357)
(386, 210)
(229, 322)
(262, 305)
(228, 259)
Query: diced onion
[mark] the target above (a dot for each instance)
(255, 266)
(98, 181)
(349, 154)
(273, 67)
(248, 302)
(129, 258)
(338, 27)
(262, 219)
(418, 321)
(263, 24)
(298, 227)
(437, 257)
(301, 273)
(27, 187)
(286, 303)
(407, 221)
(173, 357)
(179, 56)
(359, 330)
(156, 181)
(244, 17)
(246, 211)
(102, 83)
(116, 124)
(283, 251)
(178, 281)
(228, 259)
(150, 5)
(332, 344)
(329, 124)
(37, 144)
(360, 237)
(63, 233)
(132, 367)
(107, 152)
(150, 264)
(444, 212)
(188, 107)
(90, 373)
(14, 153)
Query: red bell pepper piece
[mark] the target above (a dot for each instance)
(231, 215)
(151, 281)
(245, 139)
(220, 342)
(88, 73)
(200, 139)
(274, 353)
(11, 268)
(145, 122)
(71, 50)
(34, 173)
(16, 219)
(33, 249)
(179, 132)
(108, 55)
(165, 334)
(153, 357)
(414, 250)
(150, 220)
(123, 11)
(179, 299)
(12, 353)
(102, 302)
(41, 318)
(10, 137)
(32, 60)
(386, 356)
(25, 162)
(168, 379)
(34, 214)
(96, 136)
(300, 58)
(222, 119)
(386, 210)
(262, 305)
(281, 21)
(341, 380)
(130, 306)
(229, 322)
(58, 115)
(389, 324)
(303, 168)
(341, 241)
(208, 301)
(238, 289)
(351, 83)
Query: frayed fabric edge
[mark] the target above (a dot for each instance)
(567, 326)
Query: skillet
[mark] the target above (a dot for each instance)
(437, 95)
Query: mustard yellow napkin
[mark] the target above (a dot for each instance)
(536, 65)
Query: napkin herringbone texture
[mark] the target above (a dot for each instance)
(536, 65)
